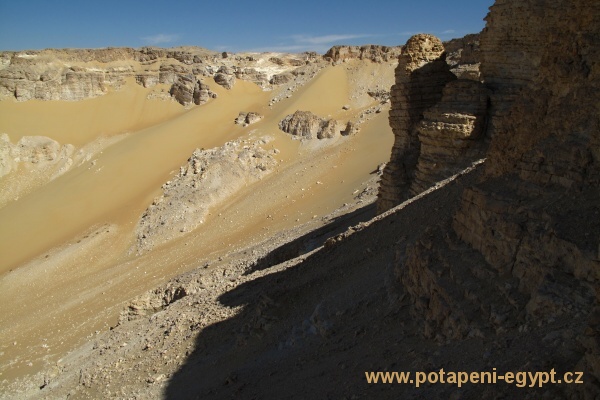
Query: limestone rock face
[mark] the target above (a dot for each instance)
(330, 128)
(368, 52)
(450, 133)
(26, 82)
(208, 178)
(545, 146)
(421, 76)
(202, 93)
(307, 125)
(301, 123)
(523, 246)
(510, 57)
(464, 50)
(183, 89)
(31, 150)
(146, 80)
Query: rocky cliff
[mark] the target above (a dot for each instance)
(495, 267)
(523, 249)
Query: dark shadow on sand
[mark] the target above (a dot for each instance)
(312, 330)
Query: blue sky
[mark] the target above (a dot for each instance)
(260, 25)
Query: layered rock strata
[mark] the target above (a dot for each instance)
(450, 133)
(523, 248)
(421, 76)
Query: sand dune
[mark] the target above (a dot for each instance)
(67, 265)
(79, 122)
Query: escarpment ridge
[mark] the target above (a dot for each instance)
(73, 74)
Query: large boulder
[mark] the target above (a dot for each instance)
(307, 125)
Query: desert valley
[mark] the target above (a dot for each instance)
(186, 223)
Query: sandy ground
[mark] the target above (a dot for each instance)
(67, 266)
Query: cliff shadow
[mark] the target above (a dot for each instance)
(313, 239)
(313, 329)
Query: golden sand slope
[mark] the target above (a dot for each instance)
(66, 264)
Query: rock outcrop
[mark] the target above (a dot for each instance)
(280, 79)
(307, 125)
(225, 77)
(253, 75)
(38, 150)
(187, 90)
(209, 177)
(248, 118)
(69, 74)
(523, 248)
(25, 82)
(374, 53)
(32, 162)
(544, 158)
(169, 73)
(421, 75)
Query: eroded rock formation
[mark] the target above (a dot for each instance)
(374, 53)
(421, 76)
(78, 74)
(225, 77)
(38, 150)
(280, 79)
(248, 118)
(33, 161)
(523, 248)
(307, 125)
(187, 90)
(209, 177)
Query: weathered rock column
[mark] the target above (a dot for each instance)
(421, 75)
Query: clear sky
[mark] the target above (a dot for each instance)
(260, 25)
